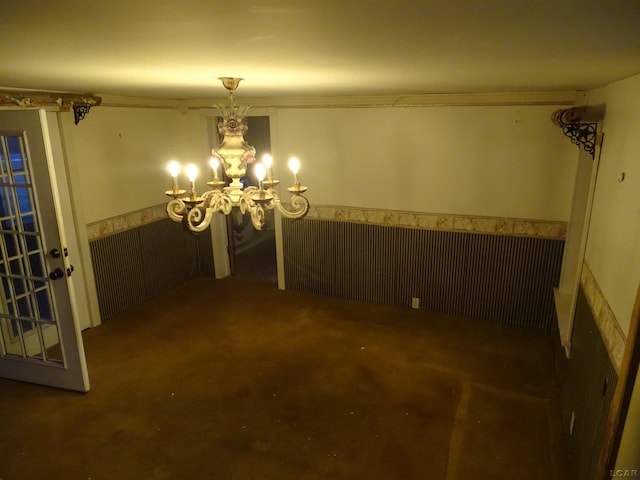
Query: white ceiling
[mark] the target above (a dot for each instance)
(177, 48)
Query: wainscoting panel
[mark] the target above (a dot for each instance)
(587, 382)
(117, 266)
(499, 278)
(510, 280)
(135, 265)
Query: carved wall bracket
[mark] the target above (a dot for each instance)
(79, 112)
(64, 102)
(580, 124)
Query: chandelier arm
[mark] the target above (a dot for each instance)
(207, 198)
(218, 202)
(176, 209)
(246, 203)
(275, 198)
(300, 207)
(197, 219)
(257, 216)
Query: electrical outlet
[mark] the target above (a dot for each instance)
(572, 422)
(415, 302)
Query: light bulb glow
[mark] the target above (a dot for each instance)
(213, 161)
(267, 160)
(174, 168)
(192, 172)
(260, 171)
(294, 165)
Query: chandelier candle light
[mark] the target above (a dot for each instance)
(234, 154)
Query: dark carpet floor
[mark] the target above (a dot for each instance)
(233, 379)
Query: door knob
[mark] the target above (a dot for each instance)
(55, 253)
(56, 274)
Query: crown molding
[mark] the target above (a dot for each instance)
(432, 100)
(142, 102)
(37, 99)
(80, 103)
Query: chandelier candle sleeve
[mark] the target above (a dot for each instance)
(267, 160)
(213, 161)
(192, 173)
(174, 169)
(260, 171)
(294, 166)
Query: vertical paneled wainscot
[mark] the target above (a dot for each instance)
(502, 278)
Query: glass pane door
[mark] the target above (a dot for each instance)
(40, 340)
(27, 312)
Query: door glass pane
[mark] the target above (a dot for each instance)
(33, 242)
(3, 163)
(5, 203)
(15, 266)
(52, 344)
(24, 306)
(17, 179)
(36, 264)
(10, 244)
(28, 223)
(10, 337)
(43, 300)
(33, 339)
(19, 286)
(24, 199)
(15, 146)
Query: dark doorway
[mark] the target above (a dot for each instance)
(252, 252)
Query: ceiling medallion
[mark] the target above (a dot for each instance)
(234, 154)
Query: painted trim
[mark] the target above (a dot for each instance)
(518, 227)
(612, 335)
(566, 97)
(127, 221)
(445, 222)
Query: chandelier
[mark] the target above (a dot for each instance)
(234, 154)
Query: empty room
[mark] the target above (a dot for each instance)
(320, 240)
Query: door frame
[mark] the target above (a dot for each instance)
(221, 244)
(65, 160)
(621, 400)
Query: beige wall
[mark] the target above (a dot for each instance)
(121, 156)
(612, 248)
(613, 252)
(477, 160)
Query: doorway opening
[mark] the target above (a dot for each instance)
(252, 253)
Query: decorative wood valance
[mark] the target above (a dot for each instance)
(580, 124)
(79, 103)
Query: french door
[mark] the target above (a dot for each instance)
(40, 341)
